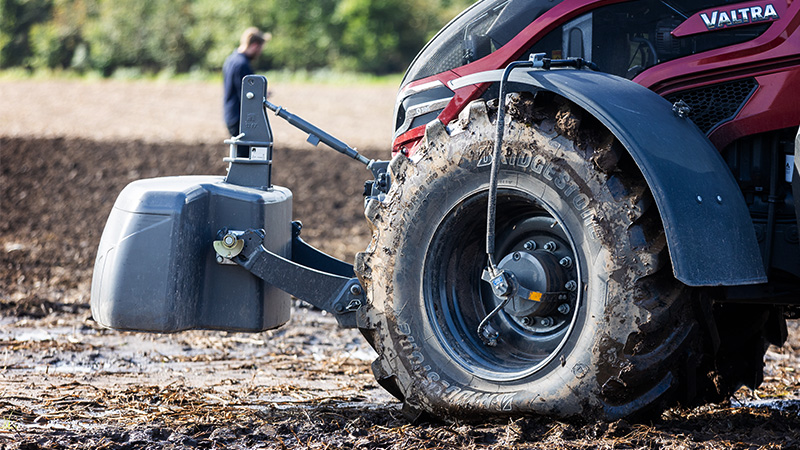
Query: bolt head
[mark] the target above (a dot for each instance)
(530, 245)
(249, 95)
(564, 308)
(355, 289)
(547, 321)
(550, 246)
(571, 285)
(566, 262)
(516, 256)
(526, 321)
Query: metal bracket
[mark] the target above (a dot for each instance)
(335, 293)
(379, 186)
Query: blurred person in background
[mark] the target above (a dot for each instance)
(236, 66)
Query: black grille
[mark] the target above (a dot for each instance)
(715, 104)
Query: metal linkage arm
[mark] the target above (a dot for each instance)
(336, 294)
(316, 134)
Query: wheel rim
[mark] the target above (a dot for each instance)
(456, 299)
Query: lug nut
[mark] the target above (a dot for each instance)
(526, 321)
(550, 246)
(564, 308)
(566, 262)
(547, 321)
(571, 285)
(530, 245)
(229, 240)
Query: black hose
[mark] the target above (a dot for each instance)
(498, 144)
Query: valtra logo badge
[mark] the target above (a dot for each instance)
(738, 15)
(741, 16)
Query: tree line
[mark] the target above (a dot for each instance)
(373, 36)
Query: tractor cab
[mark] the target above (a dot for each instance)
(621, 38)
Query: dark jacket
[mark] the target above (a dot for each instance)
(236, 66)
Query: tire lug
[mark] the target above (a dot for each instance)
(571, 285)
(547, 321)
(550, 246)
(527, 321)
(566, 262)
(530, 245)
(564, 308)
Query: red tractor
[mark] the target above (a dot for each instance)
(590, 212)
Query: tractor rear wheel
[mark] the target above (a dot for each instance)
(619, 341)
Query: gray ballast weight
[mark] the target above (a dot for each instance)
(156, 268)
(206, 252)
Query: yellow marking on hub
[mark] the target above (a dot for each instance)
(535, 296)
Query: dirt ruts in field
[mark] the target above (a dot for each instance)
(67, 383)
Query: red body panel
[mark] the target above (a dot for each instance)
(773, 59)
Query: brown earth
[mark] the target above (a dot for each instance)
(65, 382)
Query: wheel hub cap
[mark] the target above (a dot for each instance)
(538, 271)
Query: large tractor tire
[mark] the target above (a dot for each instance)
(572, 210)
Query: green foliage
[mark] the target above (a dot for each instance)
(380, 36)
(16, 19)
(217, 25)
(58, 43)
(303, 35)
(180, 36)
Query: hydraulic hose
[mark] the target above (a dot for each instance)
(498, 144)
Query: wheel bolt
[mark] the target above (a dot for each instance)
(530, 245)
(550, 246)
(566, 262)
(516, 256)
(564, 308)
(526, 321)
(571, 285)
(547, 321)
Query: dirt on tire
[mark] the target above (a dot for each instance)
(65, 382)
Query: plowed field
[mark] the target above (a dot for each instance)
(68, 148)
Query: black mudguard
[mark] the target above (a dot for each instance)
(708, 227)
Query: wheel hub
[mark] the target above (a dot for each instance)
(537, 271)
(473, 316)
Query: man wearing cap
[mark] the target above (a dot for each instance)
(236, 66)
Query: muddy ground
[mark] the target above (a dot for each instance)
(65, 382)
